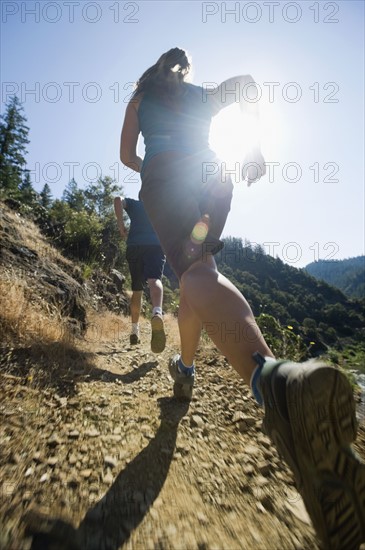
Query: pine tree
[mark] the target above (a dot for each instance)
(100, 196)
(74, 196)
(46, 196)
(27, 194)
(13, 141)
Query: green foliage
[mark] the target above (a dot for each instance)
(87, 271)
(82, 235)
(86, 226)
(28, 202)
(171, 297)
(283, 342)
(60, 211)
(351, 360)
(353, 356)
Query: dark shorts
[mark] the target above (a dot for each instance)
(145, 262)
(187, 207)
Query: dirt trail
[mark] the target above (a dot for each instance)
(111, 460)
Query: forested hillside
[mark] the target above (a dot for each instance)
(347, 275)
(320, 313)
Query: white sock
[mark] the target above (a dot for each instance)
(135, 328)
(157, 311)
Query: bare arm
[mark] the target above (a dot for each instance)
(119, 205)
(129, 138)
(240, 89)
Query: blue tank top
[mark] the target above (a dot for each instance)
(184, 128)
(140, 231)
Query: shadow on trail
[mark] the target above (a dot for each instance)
(128, 378)
(110, 522)
(57, 365)
(121, 351)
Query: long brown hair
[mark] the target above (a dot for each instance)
(157, 79)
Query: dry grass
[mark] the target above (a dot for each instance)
(37, 344)
(30, 235)
(27, 319)
(105, 326)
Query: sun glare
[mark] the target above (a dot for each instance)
(234, 133)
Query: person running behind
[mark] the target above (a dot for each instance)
(146, 262)
(309, 410)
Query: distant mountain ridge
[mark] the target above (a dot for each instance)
(348, 275)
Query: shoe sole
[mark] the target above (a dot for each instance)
(330, 478)
(182, 392)
(158, 339)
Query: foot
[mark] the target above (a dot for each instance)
(158, 339)
(134, 339)
(183, 383)
(310, 417)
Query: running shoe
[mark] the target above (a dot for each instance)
(310, 417)
(183, 383)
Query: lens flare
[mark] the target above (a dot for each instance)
(200, 230)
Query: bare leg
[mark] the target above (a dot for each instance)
(135, 305)
(156, 292)
(225, 314)
(190, 327)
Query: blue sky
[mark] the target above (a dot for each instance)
(81, 58)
